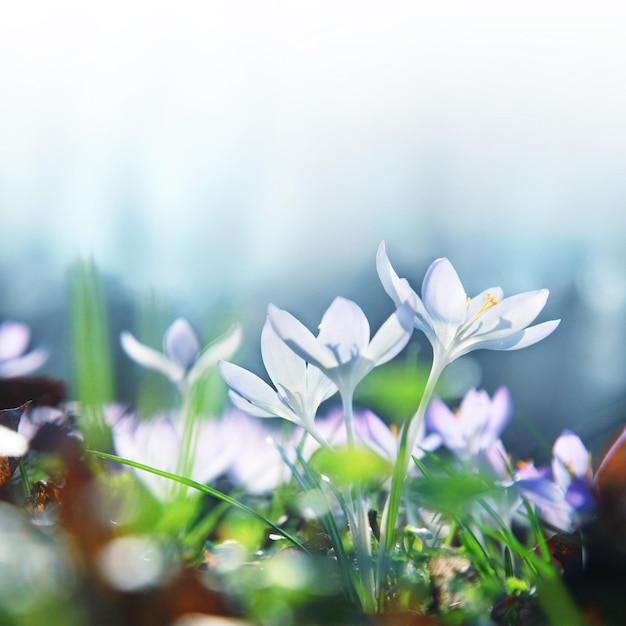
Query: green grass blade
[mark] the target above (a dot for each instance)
(204, 489)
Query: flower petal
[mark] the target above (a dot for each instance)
(440, 419)
(398, 289)
(23, 365)
(570, 459)
(344, 329)
(180, 343)
(392, 336)
(499, 416)
(224, 347)
(511, 314)
(256, 391)
(150, 358)
(14, 339)
(284, 366)
(444, 299)
(299, 338)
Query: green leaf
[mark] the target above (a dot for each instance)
(350, 467)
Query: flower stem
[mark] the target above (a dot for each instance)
(360, 534)
(391, 512)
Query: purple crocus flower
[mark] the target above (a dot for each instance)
(572, 472)
(472, 429)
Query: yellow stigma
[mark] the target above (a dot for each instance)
(487, 304)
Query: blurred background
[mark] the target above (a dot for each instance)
(217, 156)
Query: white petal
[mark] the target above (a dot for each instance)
(398, 289)
(299, 338)
(23, 365)
(512, 314)
(14, 339)
(392, 336)
(344, 329)
(224, 347)
(250, 387)
(148, 357)
(12, 443)
(502, 341)
(444, 299)
(284, 367)
(180, 343)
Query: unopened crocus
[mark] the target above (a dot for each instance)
(14, 360)
(456, 324)
(572, 472)
(300, 386)
(181, 360)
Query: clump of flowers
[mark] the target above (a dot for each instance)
(425, 514)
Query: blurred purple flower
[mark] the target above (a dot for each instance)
(181, 360)
(471, 430)
(156, 442)
(455, 324)
(14, 340)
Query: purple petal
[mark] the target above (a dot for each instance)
(499, 416)
(181, 343)
(14, 339)
(23, 365)
(440, 419)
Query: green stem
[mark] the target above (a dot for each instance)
(187, 451)
(25, 479)
(391, 512)
(360, 534)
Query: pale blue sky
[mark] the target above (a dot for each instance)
(199, 146)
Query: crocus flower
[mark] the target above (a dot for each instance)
(181, 360)
(370, 431)
(156, 442)
(471, 430)
(456, 324)
(572, 472)
(342, 349)
(300, 387)
(258, 466)
(14, 340)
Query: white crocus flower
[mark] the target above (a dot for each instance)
(181, 360)
(300, 387)
(343, 349)
(456, 324)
